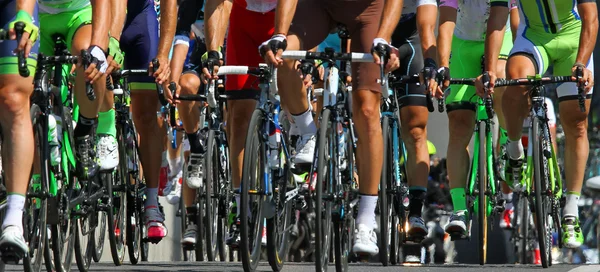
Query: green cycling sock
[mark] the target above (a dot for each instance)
(503, 136)
(107, 123)
(459, 200)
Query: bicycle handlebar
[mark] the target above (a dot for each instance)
(118, 74)
(501, 82)
(328, 56)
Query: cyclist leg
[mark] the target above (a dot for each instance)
(575, 124)
(139, 42)
(18, 142)
(465, 62)
(78, 38)
(527, 57)
(363, 22)
(310, 26)
(413, 115)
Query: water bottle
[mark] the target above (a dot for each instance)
(274, 141)
(54, 132)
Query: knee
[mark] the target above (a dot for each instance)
(144, 117)
(417, 134)
(12, 101)
(367, 118)
(189, 84)
(575, 127)
(240, 114)
(460, 129)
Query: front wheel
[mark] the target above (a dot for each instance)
(385, 198)
(483, 179)
(323, 207)
(542, 200)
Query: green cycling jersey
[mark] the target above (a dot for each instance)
(59, 6)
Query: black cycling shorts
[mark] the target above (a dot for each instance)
(406, 39)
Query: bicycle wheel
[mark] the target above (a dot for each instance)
(188, 251)
(386, 198)
(99, 235)
(483, 180)
(211, 187)
(84, 246)
(116, 215)
(323, 207)
(280, 225)
(35, 210)
(253, 193)
(224, 196)
(542, 200)
(201, 247)
(524, 229)
(133, 230)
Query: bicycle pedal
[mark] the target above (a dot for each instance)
(188, 247)
(11, 255)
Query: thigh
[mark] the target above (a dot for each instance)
(77, 20)
(363, 33)
(8, 60)
(311, 23)
(563, 56)
(530, 44)
(139, 43)
(465, 62)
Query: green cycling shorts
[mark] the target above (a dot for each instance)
(64, 24)
(465, 62)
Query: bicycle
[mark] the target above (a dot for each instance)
(36, 202)
(214, 194)
(127, 183)
(542, 174)
(483, 194)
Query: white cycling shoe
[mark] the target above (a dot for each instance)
(365, 241)
(108, 152)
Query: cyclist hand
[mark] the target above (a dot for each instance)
(483, 81)
(211, 59)
(170, 96)
(30, 32)
(585, 78)
(163, 72)
(97, 67)
(272, 49)
(429, 78)
(382, 49)
(115, 56)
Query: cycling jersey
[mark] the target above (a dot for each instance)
(552, 42)
(468, 47)
(8, 59)
(139, 41)
(65, 23)
(409, 9)
(59, 6)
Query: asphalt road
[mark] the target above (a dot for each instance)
(308, 267)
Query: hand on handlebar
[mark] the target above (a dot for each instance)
(210, 59)
(429, 78)
(163, 72)
(96, 65)
(115, 56)
(384, 52)
(30, 32)
(172, 95)
(584, 77)
(272, 49)
(485, 81)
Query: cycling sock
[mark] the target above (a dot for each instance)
(366, 210)
(305, 123)
(509, 198)
(459, 200)
(515, 149)
(191, 212)
(175, 165)
(14, 210)
(237, 202)
(571, 209)
(107, 123)
(84, 126)
(151, 197)
(417, 196)
(196, 146)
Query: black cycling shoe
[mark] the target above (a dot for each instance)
(86, 166)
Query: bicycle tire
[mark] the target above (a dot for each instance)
(482, 199)
(279, 226)
(323, 210)
(200, 247)
(211, 187)
(99, 237)
(544, 234)
(187, 251)
(385, 199)
(252, 227)
(524, 229)
(224, 197)
(35, 210)
(116, 215)
(134, 225)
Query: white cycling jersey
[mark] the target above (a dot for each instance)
(257, 5)
(409, 8)
(472, 17)
(59, 6)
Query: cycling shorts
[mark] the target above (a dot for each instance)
(139, 43)
(314, 19)
(406, 39)
(557, 50)
(465, 62)
(64, 24)
(8, 59)
(247, 31)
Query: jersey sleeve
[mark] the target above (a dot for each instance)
(585, 1)
(499, 3)
(513, 4)
(449, 3)
(188, 12)
(427, 2)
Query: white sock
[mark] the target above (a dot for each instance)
(366, 211)
(14, 211)
(515, 149)
(571, 208)
(175, 164)
(509, 200)
(151, 197)
(305, 123)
